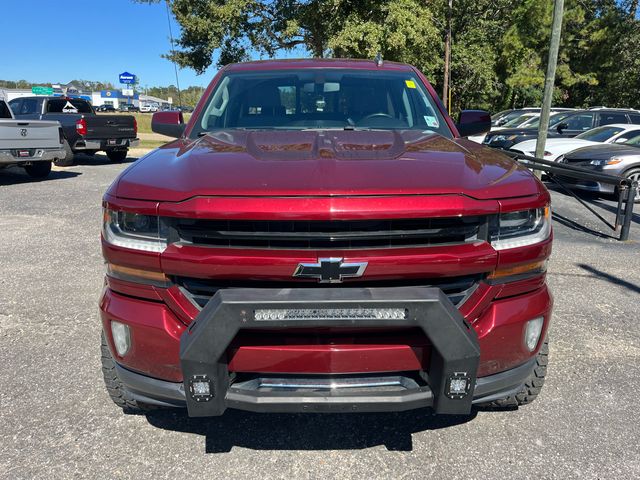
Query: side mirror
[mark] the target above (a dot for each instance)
(170, 124)
(473, 122)
(561, 127)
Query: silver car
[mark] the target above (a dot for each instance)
(615, 159)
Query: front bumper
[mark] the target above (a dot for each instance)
(105, 144)
(158, 392)
(11, 157)
(499, 336)
(588, 185)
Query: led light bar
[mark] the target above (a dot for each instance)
(330, 314)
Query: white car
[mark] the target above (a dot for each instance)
(555, 147)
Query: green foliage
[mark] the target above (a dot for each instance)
(499, 52)
(188, 96)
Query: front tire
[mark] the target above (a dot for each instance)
(118, 393)
(38, 169)
(117, 155)
(532, 385)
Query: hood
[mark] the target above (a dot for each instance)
(323, 163)
(602, 152)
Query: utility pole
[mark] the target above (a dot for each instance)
(556, 29)
(446, 94)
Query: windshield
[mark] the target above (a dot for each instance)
(518, 121)
(321, 99)
(554, 119)
(600, 134)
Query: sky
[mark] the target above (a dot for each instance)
(50, 41)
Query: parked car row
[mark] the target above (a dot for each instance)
(562, 124)
(36, 131)
(600, 139)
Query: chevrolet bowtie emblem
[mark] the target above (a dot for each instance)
(330, 270)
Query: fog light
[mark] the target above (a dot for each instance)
(121, 337)
(532, 332)
(458, 385)
(200, 388)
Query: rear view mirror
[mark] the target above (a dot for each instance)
(562, 126)
(473, 122)
(170, 124)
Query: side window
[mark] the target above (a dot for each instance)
(609, 118)
(583, 121)
(635, 118)
(15, 106)
(4, 110)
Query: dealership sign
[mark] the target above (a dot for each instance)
(127, 78)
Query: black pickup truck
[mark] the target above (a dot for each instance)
(84, 131)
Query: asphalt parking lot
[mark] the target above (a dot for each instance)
(56, 420)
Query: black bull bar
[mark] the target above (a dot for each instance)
(454, 354)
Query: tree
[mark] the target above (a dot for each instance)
(499, 53)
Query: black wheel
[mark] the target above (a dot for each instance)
(532, 385)
(117, 155)
(117, 391)
(38, 169)
(68, 158)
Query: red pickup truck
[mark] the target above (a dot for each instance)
(320, 238)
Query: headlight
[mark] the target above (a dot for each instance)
(522, 228)
(499, 138)
(602, 163)
(134, 230)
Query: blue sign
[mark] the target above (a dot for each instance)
(127, 78)
(110, 94)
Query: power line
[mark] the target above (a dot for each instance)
(175, 66)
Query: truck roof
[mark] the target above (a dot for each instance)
(316, 63)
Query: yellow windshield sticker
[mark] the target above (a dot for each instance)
(410, 83)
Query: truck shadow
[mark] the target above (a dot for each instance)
(98, 159)
(351, 431)
(17, 175)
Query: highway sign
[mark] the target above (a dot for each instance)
(42, 90)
